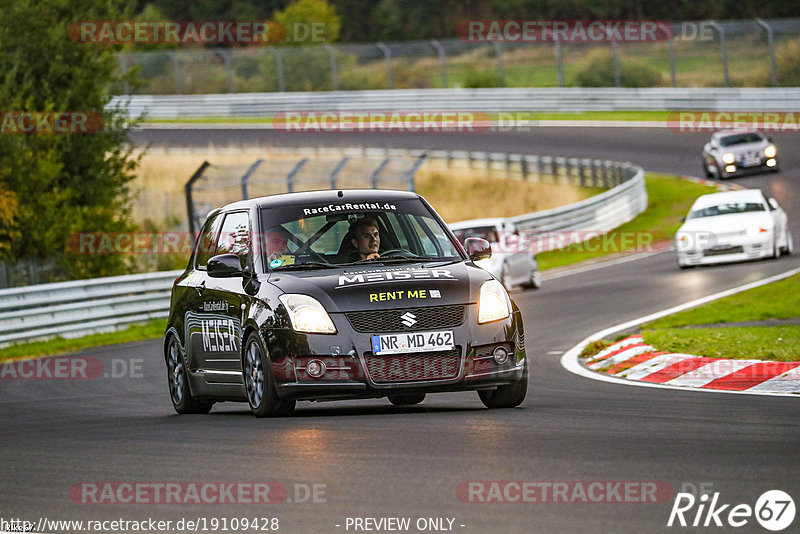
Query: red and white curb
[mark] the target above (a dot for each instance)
(633, 359)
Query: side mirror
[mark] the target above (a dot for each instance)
(773, 204)
(224, 266)
(477, 248)
(683, 219)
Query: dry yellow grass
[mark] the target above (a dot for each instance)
(457, 193)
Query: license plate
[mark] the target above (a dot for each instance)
(412, 342)
(750, 162)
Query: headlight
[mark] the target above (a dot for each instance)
(494, 303)
(727, 157)
(754, 231)
(770, 151)
(307, 314)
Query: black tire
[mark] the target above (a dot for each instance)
(535, 281)
(407, 400)
(504, 276)
(507, 396)
(789, 248)
(179, 392)
(259, 381)
(706, 172)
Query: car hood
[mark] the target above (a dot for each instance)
(723, 224)
(380, 287)
(747, 148)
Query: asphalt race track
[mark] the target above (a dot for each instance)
(379, 461)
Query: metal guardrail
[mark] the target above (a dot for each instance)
(73, 309)
(81, 307)
(467, 100)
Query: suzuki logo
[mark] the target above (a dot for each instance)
(409, 319)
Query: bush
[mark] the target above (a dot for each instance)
(598, 71)
(482, 78)
(787, 59)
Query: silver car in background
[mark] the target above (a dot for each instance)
(732, 153)
(513, 262)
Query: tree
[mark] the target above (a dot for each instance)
(62, 183)
(310, 22)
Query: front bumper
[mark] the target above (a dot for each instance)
(352, 371)
(741, 170)
(728, 250)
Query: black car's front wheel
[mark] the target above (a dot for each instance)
(259, 382)
(179, 392)
(507, 396)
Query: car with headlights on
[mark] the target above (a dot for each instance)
(733, 226)
(733, 153)
(331, 295)
(512, 261)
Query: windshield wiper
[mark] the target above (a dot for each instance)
(305, 265)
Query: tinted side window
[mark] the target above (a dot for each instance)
(234, 235)
(206, 243)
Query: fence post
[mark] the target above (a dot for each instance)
(279, 67)
(501, 71)
(442, 61)
(615, 58)
(290, 177)
(123, 67)
(412, 173)
(176, 65)
(334, 69)
(226, 59)
(388, 55)
(673, 75)
(723, 52)
(373, 178)
(246, 176)
(335, 173)
(773, 69)
(188, 192)
(559, 62)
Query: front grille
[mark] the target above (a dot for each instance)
(380, 321)
(414, 367)
(722, 251)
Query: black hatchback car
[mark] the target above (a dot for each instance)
(331, 295)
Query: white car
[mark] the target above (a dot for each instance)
(731, 153)
(512, 261)
(732, 226)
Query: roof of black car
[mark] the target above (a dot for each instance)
(328, 196)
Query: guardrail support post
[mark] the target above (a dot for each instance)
(442, 61)
(523, 163)
(290, 177)
(388, 55)
(335, 173)
(190, 203)
(773, 69)
(246, 176)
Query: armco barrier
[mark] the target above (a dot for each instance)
(81, 307)
(570, 99)
(73, 309)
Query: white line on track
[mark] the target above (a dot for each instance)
(570, 359)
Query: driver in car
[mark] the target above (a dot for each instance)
(366, 238)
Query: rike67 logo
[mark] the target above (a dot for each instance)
(774, 510)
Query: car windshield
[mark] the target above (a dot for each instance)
(489, 233)
(307, 237)
(725, 209)
(740, 139)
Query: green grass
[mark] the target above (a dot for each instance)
(776, 343)
(668, 200)
(778, 300)
(151, 330)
